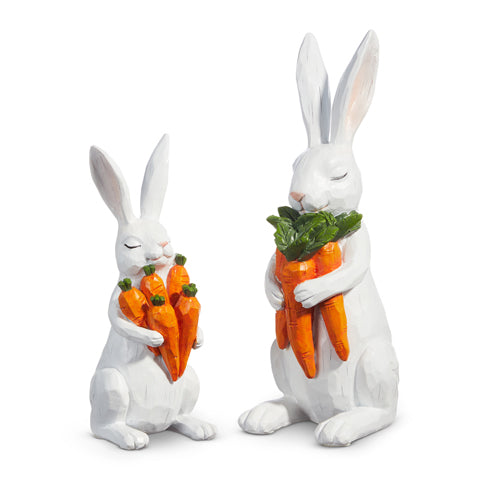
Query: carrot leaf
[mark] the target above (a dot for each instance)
(321, 235)
(274, 220)
(299, 237)
(347, 223)
(296, 247)
(288, 213)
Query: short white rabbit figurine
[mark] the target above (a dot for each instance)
(347, 399)
(131, 393)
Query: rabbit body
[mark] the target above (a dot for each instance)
(347, 399)
(154, 401)
(335, 388)
(131, 393)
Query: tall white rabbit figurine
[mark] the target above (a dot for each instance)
(353, 398)
(132, 394)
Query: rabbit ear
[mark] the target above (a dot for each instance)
(155, 181)
(355, 91)
(111, 184)
(314, 93)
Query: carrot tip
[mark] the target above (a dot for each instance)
(309, 367)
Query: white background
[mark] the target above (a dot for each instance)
(219, 77)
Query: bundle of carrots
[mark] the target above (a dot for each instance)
(172, 310)
(307, 248)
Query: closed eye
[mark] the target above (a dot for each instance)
(338, 178)
(132, 246)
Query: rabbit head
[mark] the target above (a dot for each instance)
(326, 176)
(143, 240)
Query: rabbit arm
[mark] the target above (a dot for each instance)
(129, 330)
(200, 339)
(272, 286)
(356, 261)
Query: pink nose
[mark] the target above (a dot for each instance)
(297, 196)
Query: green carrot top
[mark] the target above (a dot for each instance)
(299, 237)
(190, 290)
(149, 269)
(125, 285)
(180, 260)
(158, 300)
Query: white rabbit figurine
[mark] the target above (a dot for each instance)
(131, 393)
(348, 400)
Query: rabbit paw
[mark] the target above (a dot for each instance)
(200, 339)
(265, 418)
(275, 296)
(336, 431)
(193, 428)
(155, 339)
(310, 293)
(124, 436)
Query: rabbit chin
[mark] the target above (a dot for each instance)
(335, 206)
(327, 208)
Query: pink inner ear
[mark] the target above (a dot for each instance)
(359, 95)
(164, 243)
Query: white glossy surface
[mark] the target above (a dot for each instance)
(131, 392)
(348, 400)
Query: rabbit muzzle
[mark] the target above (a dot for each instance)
(307, 203)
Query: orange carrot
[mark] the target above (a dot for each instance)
(177, 277)
(134, 306)
(326, 260)
(281, 329)
(161, 317)
(152, 284)
(281, 333)
(298, 318)
(132, 303)
(187, 311)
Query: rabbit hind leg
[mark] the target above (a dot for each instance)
(186, 424)
(109, 397)
(270, 416)
(376, 388)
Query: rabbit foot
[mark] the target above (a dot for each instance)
(270, 416)
(124, 436)
(344, 428)
(193, 428)
(334, 432)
